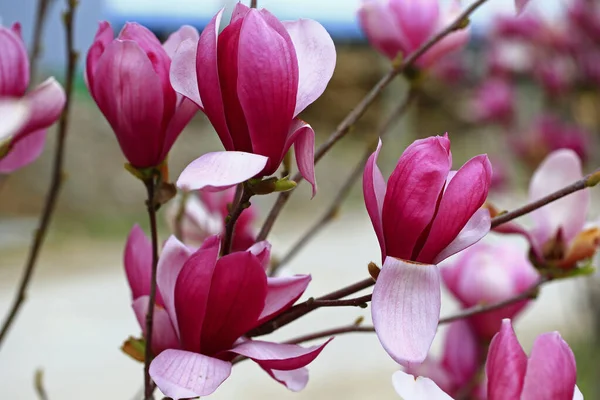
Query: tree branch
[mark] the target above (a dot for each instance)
(354, 328)
(344, 127)
(237, 207)
(57, 174)
(38, 30)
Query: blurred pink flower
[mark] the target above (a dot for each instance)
(128, 77)
(487, 274)
(493, 101)
(204, 215)
(424, 214)
(549, 372)
(520, 5)
(205, 305)
(252, 80)
(396, 27)
(558, 238)
(24, 128)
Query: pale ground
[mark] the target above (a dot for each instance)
(78, 315)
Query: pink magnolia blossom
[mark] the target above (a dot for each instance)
(520, 5)
(558, 237)
(128, 77)
(204, 215)
(252, 80)
(494, 101)
(487, 274)
(26, 116)
(424, 214)
(205, 305)
(549, 372)
(459, 363)
(396, 27)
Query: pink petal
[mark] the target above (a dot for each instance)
(267, 85)
(184, 112)
(316, 56)
(278, 356)
(176, 38)
(262, 251)
(506, 365)
(282, 293)
(14, 64)
(520, 5)
(103, 37)
(183, 71)
(420, 388)
(453, 42)
(47, 101)
(138, 263)
(374, 188)
(220, 170)
(303, 137)
(13, 114)
(551, 371)
(230, 316)
(464, 195)
(130, 95)
(406, 309)
(23, 151)
(381, 27)
(172, 258)
(461, 352)
(476, 228)
(182, 374)
(192, 290)
(163, 333)
(295, 380)
(412, 195)
(418, 20)
(559, 169)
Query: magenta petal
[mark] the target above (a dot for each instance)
(418, 19)
(192, 292)
(282, 293)
(163, 333)
(23, 151)
(381, 28)
(182, 374)
(14, 63)
(520, 5)
(13, 114)
(419, 388)
(262, 251)
(175, 39)
(412, 194)
(267, 84)
(285, 357)
(185, 110)
(475, 229)
(138, 262)
(303, 137)
(506, 365)
(172, 258)
(47, 101)
(316, 59)
(551, 371)
(104, 35)
(465, 194)
(374, 192)
(236, 299)
(406, 309)
(183, 71)
(220, 170)
(295, 380)
(461, 352)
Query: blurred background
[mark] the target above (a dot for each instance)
(522, 88)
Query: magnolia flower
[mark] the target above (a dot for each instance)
(549, 372)
(424, 214)
(25, 116)
(128, 77)
(494, 101)
(204, 306)
(558, 237)
(520, 5)
(252, 80)
(488, 274)
(396, 27)
(204, 215)
(459, 363)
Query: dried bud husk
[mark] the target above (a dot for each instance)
(374, 270)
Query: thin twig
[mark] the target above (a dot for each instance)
(38, 30)
(330, 332)
(307, 306)
(237, 208)
(585, 182)
(357, 302)
(344, 127)
(178, 228)
(151, 206)
(253, 3)
(343, 193)
(38, 383)
(57, 174)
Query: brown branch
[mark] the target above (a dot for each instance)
(253, 3)
(237, 207)
(343, 193)
(151, 207)
(38, 383)
(38, 30)
(57, 175)
(585, 182)
(357, 302)
(354, 328)
(178, 228)
(344, 127)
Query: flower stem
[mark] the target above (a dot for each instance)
(237, 207)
